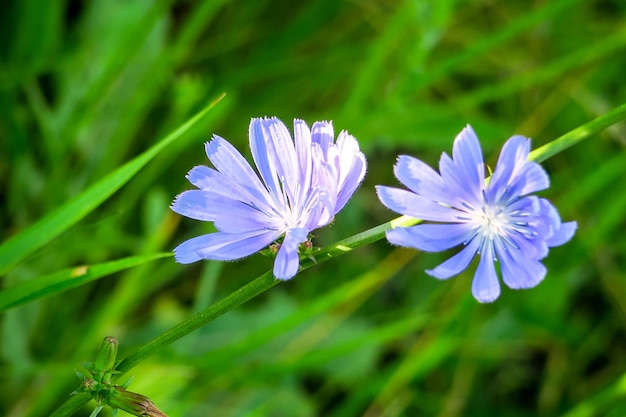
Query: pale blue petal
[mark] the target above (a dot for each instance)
(195, 204)
(457, 263)
(531, 248)
(231, 163)
(422, 180)
(527, 178)
(514, 153)
(223, 246)
(325, 185)
(519, 272)
(431, 237)
(237, 223)
(207, 206)
(351, 182)
(316, 210)
(282, 152)
(216, 182)
(455, 183)
(563, 234)
(302, 139)
(524, 208)
(410, 204)
(547, 219)
(323, 134)
(485, 285)
(468, 157)
(533, 178)
(351, 166)
(330, 163)
(557, 233)
(288, 260)
(202, 177)
(260, 154)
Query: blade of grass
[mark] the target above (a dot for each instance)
(18, 247)
(600, 402)
(581, 57)
(68, 278)
(475, 50)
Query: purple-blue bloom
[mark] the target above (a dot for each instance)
(496, 219)
(303, 183)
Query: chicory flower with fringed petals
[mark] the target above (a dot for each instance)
(303, 183)
(496, 219)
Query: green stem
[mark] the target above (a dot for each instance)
(254, 288)
(72, 405)
(582, 132)
(267, 281)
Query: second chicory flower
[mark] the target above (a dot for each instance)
(303, 183)
(498, 220)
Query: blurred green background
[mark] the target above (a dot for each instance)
(87, 85)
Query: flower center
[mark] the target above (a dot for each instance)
(492, 222)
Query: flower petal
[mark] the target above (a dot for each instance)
(533, 247)
(468, 157)
(202, 177)
(519, 272)
(231, 163)
(457, 263)
(195, 204)
(223, 246)
(410, 204)
(288, 260)
(431, 237)
(422, 180)
(464, 173)
(533, 178)
(514, 175)
(282, 152)
(260, 153)
(563, 234)
(323, 134)
(302, 140)
(485, 285)
(454, 179)
(351, 180)
(229, 215)
(211, 180)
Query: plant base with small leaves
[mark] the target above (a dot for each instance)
(96, 381)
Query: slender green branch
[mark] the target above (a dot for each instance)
(240, 296)
(72, 405)
(254, 288)
(582, 132)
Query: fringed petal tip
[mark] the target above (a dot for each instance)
(564, 234)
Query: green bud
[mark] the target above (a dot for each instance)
(89, 385)
(107, 354)
(133, 403)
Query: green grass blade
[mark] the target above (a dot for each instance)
(68, 278)
(546, 74)
(18, 247)
(609, 398)
(473, 51)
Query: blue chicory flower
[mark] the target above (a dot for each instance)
(497, 220)
(302, 185)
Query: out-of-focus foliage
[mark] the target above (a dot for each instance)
(87, 85)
